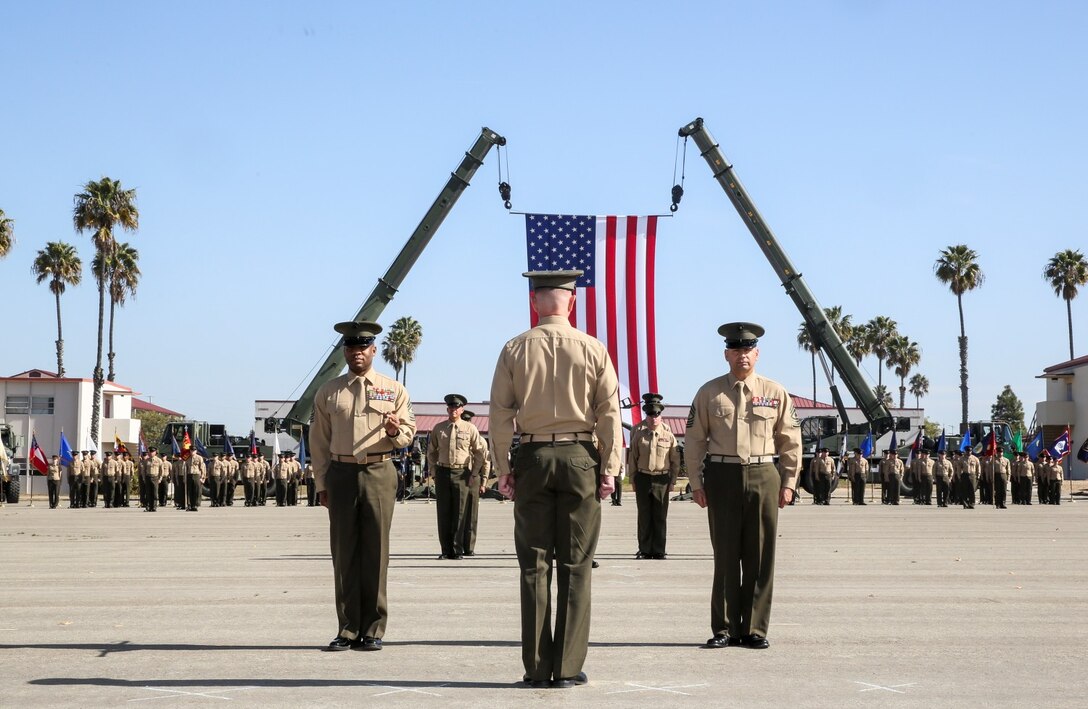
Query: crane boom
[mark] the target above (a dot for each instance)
(820, 328)
(388, 284)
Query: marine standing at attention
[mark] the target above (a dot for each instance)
(653, 464)
(560, 386)
(359, 419)
(456, 453)
(737, 423)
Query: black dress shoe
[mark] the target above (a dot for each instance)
(457, 557)
(595, 564)
(755, 642)
(470, 553)
(719, 641)
(568, 682)
(640, 555)
(370, 644)
(339, 643)
(441, 557)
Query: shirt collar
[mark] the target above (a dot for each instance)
(554, 320)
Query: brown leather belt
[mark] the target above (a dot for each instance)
(367, 459)
(555, 437)
(654, 472)
(752, 460)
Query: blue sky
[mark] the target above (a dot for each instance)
(282, 153)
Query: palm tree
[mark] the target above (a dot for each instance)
(392, 353)
(121, 271)
(958, 268)
(1066, 271)
(804, 342)
(407, 333)
(100, 208)
(880, 332)
(883, 394)
(919, 387)
(7, 234)
(903, 355)
(858, 344)
(58, 263)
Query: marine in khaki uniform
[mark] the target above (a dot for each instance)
(75, 479)
(970, 469)
(857, 470)
(455, 452)
(195, 473)
(653, 464)
(142, 477)
(123, 489)
(94, 478)
(474, 495)
(157, 470)
(52, 481)
(995, 469)
(560, 386)
(943, 474)
(1023, 478)
(1054, 474)
(737, 424)
(111, 473)
(822, 470)
(922, 467)
(308, 481)
(359, 419)
(280, 472)
(293, 479)
(891, 473)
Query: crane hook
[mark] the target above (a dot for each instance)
(677, 195)
(504, 192)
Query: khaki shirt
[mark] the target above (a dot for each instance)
(75, 468)
(997, 464)
(653, 450)
(308, 472)
(112, 469)
(971, 465)
(93, 469)
(922, 468)
(54, 471)
(456, 444)
(157, 469)
(891, 467)
(555, 379)
(822, 467)
(1023, 469)
(1054, 471)
(942, 469)
(349, 419)
(195, 466)
(770, 423)
(857, 466)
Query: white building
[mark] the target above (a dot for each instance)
(40, 403)
(1066, 405)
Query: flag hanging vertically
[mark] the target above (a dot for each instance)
(275, 447)
(1018, 441)
(867, 446)
(175, 449)
(1061, 445)
(200, 447)
(65, 450)
(302, 450)
(227, 447)
(1082, 454)
(141, 444)
(915, 447)
(1035, 447)
(615, 295)
(118, 446)
(186, 446)
(893, 446)
(942, 443)
(252, 442)
(36, 457)
(965, 444)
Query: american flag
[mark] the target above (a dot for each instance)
(615, 300)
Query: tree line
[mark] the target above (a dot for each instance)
(958, 268)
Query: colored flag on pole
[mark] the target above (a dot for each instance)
(186, 446)
(65, 450)
(175, 449)
(36, 457)
(227, 447)
(615, 296)
(894, 445)
(867, 446)
(275, 447)
(1015, 445)
(1035, 447)
(915, 447)
(1082, 454)
(965, 444)
(1061, 445)
(252, 443)
(118, 446)
(141, 444)
(302, 450)
(942, 443)
(167, 435)
(989, 444)
(200, 447)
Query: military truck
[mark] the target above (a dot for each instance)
(9, 476)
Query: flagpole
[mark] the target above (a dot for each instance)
(30, 470)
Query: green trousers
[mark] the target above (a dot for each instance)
(556, 516)
(472, 514)
(652, 498)
(451, 491)
(361, 499)
(742, 507)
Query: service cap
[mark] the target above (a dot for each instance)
(358, 333)
(857, 450)
(823, 450)
(467, 415)
(553, 279)
(1045, 454)
(454, 400)
(651, 397)
(739, 335)
(653, 408)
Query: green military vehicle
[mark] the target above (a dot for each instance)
(10, 473)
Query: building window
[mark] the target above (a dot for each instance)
(107, 407)
(17, 405)
(41, 405)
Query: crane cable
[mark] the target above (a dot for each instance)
(678, 188)
(504, 185)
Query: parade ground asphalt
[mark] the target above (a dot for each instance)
(874, 606)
